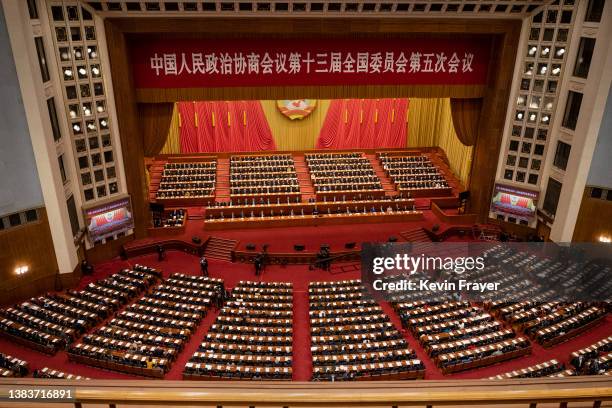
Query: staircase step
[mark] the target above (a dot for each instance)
(306, 187)
(385, 181)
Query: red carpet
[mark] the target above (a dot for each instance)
(300, 276)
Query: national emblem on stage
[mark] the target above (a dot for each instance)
(297, 108)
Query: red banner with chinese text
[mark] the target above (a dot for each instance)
(193, 63)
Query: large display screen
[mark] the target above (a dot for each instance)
(109, 219)
(519, 203)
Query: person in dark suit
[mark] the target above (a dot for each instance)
(204, 265)
(161, 253)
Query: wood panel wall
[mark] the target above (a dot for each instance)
(503, 35)
(594, 219)
(31, 245)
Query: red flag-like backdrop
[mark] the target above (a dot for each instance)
(192, 63)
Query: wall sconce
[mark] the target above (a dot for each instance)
(20, 270)
(605, 239)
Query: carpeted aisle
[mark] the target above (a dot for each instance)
(302, 358)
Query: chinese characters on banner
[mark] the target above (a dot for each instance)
(222, 63)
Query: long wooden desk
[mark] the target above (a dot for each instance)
(427, 192)
(286, 208)
(312, 220)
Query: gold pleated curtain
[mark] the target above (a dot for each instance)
(430, 123)
(173, 142)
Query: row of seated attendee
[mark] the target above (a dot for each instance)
(595, 359)
(172, 218)
(146, 338)
(252, 337)
(47, 372)
(459, 336)
(342, 172)
(548, 368)
(49, 323)
(412, 172)
(353, 339)
(187, 180)
(263, 175)
(12, 366)
(349, 208)
(364, 198)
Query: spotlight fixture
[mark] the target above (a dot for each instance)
(560, 52)
(533, 50)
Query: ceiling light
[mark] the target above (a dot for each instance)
(560, 52)
(532, 50)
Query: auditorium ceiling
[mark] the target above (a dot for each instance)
(504, 9)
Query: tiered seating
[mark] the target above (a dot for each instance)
(251, 338)
(414, 175)
(146, 337)
(12, 367)
(49, 373)
(187, 180)
(352, 338)
(263, 176)
(549, 368)
(172, 218)
(343, 174)
(459, 336)
(48, 323)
